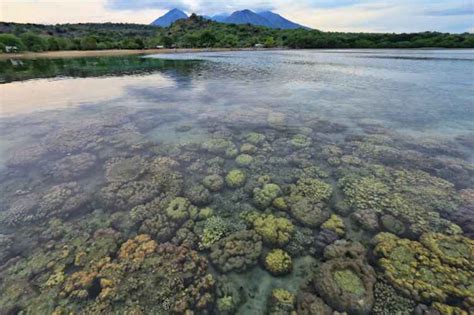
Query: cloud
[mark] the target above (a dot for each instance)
(145, 4)
(464, 10)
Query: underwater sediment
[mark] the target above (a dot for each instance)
(313, 219)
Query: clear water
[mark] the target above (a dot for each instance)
(67, 124)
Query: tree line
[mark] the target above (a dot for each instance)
(198, 32)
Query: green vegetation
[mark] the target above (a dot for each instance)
(198, 32)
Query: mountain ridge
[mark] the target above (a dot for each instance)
(265, 18)
(169, 18)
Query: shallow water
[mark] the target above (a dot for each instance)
(95, 151)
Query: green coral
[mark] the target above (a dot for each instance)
(215, 228)
(225, 304)
(178, 209)
(312, 189)
(255, 138)
(280, 203)
(278, 262)
(335, 224)
(349, 282)
(300, 141)
(213, 182)
(274, 230)
(244, 160)
(440, 268)
(263, 197)
(235, 178)
(218, 145)
(448, 309)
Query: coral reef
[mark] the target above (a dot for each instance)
(309, 304)
(278, 262)
(244, 160)
(388, 301)
(309, 213)
(281, 301)
(335, 224)
(273, 230)
(413, 198)
(235, 178)
(323, 239)
(300, 141)
(312, 189)
(116, 196)
(120, 170)
(367, 219)
(236, 252)
(345, 280)
(215, 228)
(71, 167)
(438, 269)
(255, 138)
(179, 209)
(346, 285)
(263, 197)
(199, 195)
(214, 183)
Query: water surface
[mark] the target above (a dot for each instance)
(168, 183)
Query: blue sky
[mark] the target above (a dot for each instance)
(337, 15)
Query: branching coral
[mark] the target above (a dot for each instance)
(388, 301)
(215, 228)
(312, 189)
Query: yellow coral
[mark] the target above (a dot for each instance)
(448, 310)
(273, 230)
(282, 296)
(135, 250)
(335, 224)
(278, 262)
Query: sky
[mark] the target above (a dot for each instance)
(328, 15)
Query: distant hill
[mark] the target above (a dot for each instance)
(266, 19)
(169, 18)
(220, 17)
(277, 21)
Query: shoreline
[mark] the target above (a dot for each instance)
(118, 52)
(144, 52)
